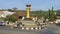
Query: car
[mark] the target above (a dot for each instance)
(2, 23)
(58, 24)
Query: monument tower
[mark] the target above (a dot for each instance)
(28, 10)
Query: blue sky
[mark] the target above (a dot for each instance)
(35, 4)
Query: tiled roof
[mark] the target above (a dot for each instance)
(57, 16)
(21, 13)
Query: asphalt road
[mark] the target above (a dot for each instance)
(51, 29)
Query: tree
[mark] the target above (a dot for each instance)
(10, 10)
(11, 18)
(51, 15)
(14, 9)
(7, 18)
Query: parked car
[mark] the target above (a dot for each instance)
(58, 24)
(2, 23)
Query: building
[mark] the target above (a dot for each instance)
(1, 13)
(4, 13)
(20, 14)
(57, 17)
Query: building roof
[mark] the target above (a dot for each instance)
(4, 13)
(58, 17)
(8, 13)
(20, 13)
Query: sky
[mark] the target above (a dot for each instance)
(35, 4)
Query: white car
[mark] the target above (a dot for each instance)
(2, 23)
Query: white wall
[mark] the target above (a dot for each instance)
(57, 21)
(5, 13)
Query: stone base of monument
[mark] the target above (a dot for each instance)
(22, 28)
(36, 28)
(31, 28)
(27, 28)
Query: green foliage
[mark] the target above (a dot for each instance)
(57, 12)
(10, 10)
(7, 18)
(40, 13)
(51, 15)
(1, 19)
(13, 9)
(11, 18)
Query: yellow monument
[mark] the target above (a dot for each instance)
(28, 10)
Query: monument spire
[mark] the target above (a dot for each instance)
(28, 10)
